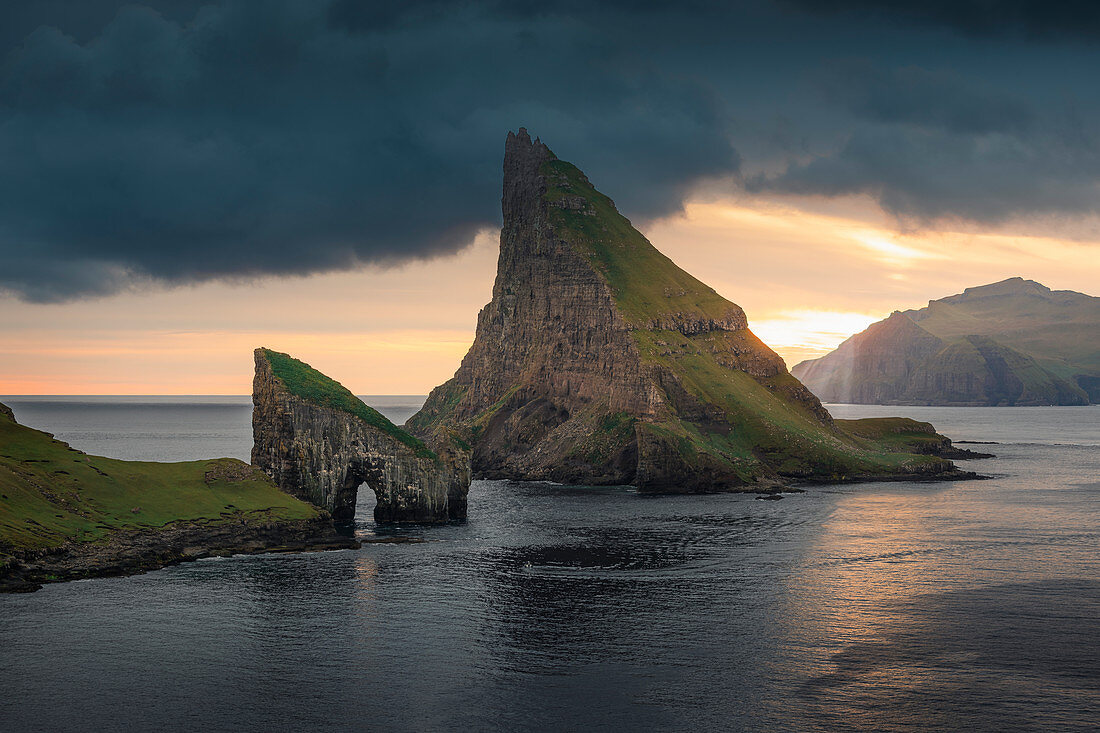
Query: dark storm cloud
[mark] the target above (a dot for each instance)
(294, 136)
(931, 146)
(940, 99)
(175, 141)
(1028, 18)
(922, 175)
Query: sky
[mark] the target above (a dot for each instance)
(184, 181)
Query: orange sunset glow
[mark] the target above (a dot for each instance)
(808, 276)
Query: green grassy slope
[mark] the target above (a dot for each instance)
(646, 283)
(1058, 328)
(304, 381)
(768, 425)
(1011, 342)
(1018, 377)
(51, 493)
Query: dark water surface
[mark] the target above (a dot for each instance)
(905, 606)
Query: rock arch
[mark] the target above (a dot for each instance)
(320, 443)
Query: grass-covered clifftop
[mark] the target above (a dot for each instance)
(51, 494)
(65, 514)
(600, 361)
(302, 380)
(646, 283)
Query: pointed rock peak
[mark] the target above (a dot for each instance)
(560, 205)
(524, 184)
(600, 361)
(523, 153)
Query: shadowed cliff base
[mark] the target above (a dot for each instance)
(319, 442)
(599, 361)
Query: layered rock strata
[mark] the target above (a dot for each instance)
(599, 361)
(320, 443)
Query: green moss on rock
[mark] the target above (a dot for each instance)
(302, 380)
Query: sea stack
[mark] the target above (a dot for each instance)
(599, 361)
(319, 442)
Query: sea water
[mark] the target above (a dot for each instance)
(884, 606)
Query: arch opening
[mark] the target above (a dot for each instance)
(359, 474)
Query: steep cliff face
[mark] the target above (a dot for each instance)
(598, 360)
(1010, 343)
(319, 443)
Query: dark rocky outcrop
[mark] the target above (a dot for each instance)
(1010, 343)
(600, 361)
(129, 552)
(319, 443)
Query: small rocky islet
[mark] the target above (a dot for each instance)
(598, 362)
(319, 442)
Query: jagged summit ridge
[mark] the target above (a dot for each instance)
(598, 360)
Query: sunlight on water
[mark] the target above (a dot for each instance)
(969, 605)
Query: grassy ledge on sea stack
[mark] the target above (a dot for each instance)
(643, 280)
(302, 380)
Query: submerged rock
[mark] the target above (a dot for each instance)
(319, 443)
(599, 361)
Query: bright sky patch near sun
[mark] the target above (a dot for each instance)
(184, 180)
(807, 278)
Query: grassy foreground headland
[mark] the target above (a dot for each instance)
(65, 514)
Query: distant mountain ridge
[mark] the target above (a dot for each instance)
(1013, 342)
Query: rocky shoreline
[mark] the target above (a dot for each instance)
(131, 552)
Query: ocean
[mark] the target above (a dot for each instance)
(869, 607)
